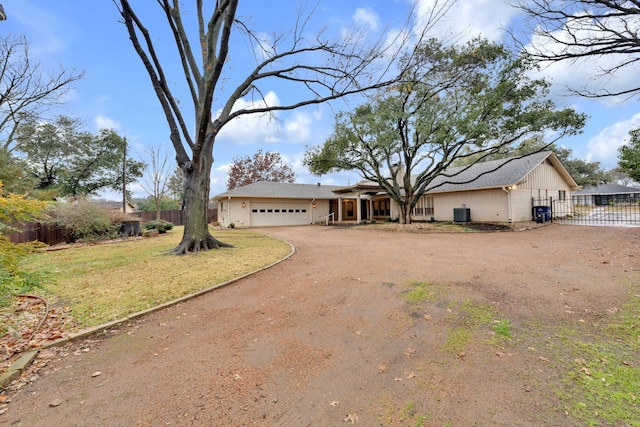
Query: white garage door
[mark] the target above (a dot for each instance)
(265, 214)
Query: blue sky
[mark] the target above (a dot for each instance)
(116, 92)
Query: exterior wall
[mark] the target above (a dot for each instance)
(485, 205)
(231, 210)
(544, 181)
(521, 208)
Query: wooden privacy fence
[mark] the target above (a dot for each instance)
(45, 233)
(175, 217)
(52, 234)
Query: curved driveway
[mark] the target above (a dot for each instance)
(328, 336)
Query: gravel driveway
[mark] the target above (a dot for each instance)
(329, 337)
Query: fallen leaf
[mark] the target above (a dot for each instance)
(499, 354)
(586, 371)
(334, 403)
(96, 374)
(409, 352)
(461, 355)
(382, 368)
(351, 418)
(56, 402)
(397, 379)
(410, 374)
(427, 317)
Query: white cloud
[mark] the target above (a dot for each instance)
(276, 127)
(603, 147)
(253, 128)
(298, 128)
(466, 19)
(366, 17)
(103, 122)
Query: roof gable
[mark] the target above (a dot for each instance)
(495, 173)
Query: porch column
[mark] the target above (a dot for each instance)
(370, 213)
(339, 209)
(358, 210)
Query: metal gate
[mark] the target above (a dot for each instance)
(580, 210)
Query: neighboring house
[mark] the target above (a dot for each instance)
(496, 191)
(117, 206)
(606, 194)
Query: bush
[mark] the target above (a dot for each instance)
(161, 225)
(84, 219)
(13, 279)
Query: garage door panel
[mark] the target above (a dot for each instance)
(268, 214)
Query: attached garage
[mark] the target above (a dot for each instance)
(278, 213)
(267, 204)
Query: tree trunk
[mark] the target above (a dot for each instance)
(196, 236)
(405, 215)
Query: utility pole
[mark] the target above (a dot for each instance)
(124, 178)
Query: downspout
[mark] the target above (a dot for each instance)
(227, 219)
(508, 203)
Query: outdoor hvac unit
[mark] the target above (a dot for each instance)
(461, 215)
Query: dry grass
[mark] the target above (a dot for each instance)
(106, 282)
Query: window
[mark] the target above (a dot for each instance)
(562, 195)
(424, 207)
(382, 207)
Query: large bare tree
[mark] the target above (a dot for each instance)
(575, 30)
(316, 69)
(26, 89)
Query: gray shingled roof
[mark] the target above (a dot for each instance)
(282, 190)
(492, 174)
(609, 189)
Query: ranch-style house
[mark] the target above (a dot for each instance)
(498, 191)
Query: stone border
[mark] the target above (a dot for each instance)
(27, 358)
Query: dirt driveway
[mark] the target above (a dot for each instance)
(330, 337)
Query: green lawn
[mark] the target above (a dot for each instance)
(105, 282)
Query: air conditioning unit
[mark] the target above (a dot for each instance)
(461, 215)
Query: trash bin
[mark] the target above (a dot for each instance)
(542, 213)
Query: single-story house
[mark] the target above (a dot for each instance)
(606, 194)
(503, 190)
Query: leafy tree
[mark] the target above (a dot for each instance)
(622, 178)
(587, 29)
(16, 209)
(453, 103)
(586, 174)
(156, 177)
(14, 174)
(262, 166)
(629, 156)
(150, 204)
(73, 162)
(314, 69)
(26, 90)
(175, 186)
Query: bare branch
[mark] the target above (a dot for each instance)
(578, 30)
